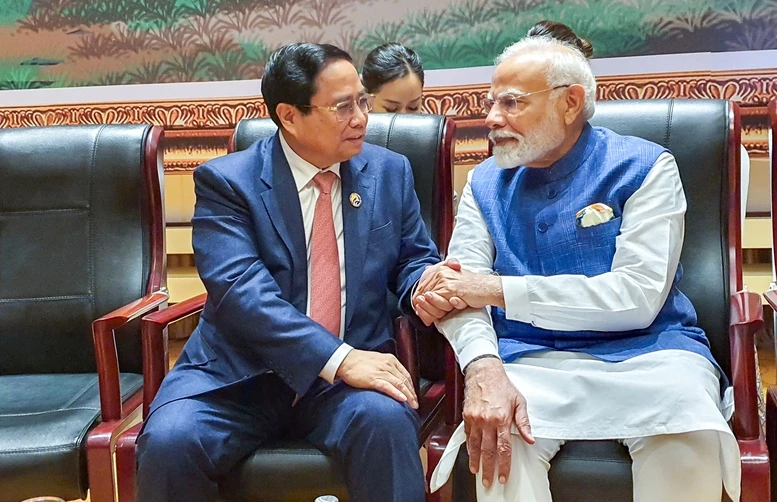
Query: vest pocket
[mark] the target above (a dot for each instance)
(601, 235)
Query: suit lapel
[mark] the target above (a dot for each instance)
(281, 201)
(356, 227)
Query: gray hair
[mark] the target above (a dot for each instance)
(566, 67)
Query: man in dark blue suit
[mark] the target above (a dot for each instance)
(298, 239)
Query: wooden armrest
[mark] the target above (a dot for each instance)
(105, 350)
(746, 319)
(154, 342)
(407, 352)
(771, 298)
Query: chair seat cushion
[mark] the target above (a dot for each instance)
(285, 471)
(44, 419)
(582, 471)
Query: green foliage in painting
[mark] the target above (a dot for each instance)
(473, 32)
(13, 10)
(14, 77)
(106, 42)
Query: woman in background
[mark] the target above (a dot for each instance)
(395, 75)
(562, 33)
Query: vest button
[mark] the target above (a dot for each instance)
(551, 193)
(542, 227)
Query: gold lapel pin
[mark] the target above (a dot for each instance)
(356, 199)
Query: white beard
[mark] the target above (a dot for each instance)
(527, 149)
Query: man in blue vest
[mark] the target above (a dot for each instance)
(572, 326)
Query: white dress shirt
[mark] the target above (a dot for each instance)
(304, 172)
(647, 253)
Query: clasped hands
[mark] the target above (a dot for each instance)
(446, 288)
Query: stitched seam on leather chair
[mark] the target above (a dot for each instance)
(669, 115)
(36, 413)
(40, 449)
(46, 211)
(44, 298)
(89, 220)
(77, 396)
(390, 130)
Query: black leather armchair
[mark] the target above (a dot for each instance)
(81, 255)
(704, 136)
(294, 470)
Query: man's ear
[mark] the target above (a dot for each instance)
(288, 116)
(575, 102)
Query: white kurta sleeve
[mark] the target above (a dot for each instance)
(470, 332)
(631, 294)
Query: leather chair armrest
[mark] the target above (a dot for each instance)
(746, 319)
(105, 350)
(154, 343)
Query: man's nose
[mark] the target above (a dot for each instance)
(495, 119)
(359, 118)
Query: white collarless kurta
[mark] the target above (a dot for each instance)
(574, 396)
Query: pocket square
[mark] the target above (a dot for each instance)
(595, 214)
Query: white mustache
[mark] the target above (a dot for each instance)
(495, 135)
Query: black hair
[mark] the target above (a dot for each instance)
(290, 75)
(562, 33)
(389, 62)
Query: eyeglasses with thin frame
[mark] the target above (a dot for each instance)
(510, 103)
(347, 109)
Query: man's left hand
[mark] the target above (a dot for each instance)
(432, 307)
(461, 288)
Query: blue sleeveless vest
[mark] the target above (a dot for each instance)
(530, 214)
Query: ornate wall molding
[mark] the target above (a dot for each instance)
(201, 114)
(199, 129)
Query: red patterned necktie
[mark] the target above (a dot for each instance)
(325, 287)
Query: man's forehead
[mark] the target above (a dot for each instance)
(338, 80)
(519, 74)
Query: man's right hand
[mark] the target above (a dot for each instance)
(364, 369)
(491, 405)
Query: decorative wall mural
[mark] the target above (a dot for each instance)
(66, 43)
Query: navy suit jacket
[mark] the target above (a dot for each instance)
(249, 247)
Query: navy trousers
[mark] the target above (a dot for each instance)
(188, 445)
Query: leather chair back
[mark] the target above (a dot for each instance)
(75, 242)
(704, 138)
(412, 135)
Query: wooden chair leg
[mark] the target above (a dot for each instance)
(435, 447)
(125, 464)
(755, 471)
(99, 463)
